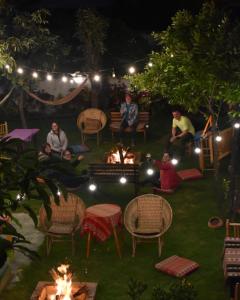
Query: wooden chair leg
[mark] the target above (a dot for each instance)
(73, 245)
(117, 244)
(49, 244)
(88, 244)
(82, 137)
(133, 246)
(98, 139)
(159, 246)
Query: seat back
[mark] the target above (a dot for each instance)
(3, 129)
(91, 120)
(70, 211)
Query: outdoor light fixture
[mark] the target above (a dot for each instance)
(146, 126)
(7, 67)
(197, 150)
(58, 192)
(113, 74)
(150, 171)
(174, 161)
(236, 125)
(218, 138)
(123, 180)
(92, 187)
(96, 77)
(131, 70)
(64, 79)
(150, 64)
(35, 75)
(20, 71)
(49, 77)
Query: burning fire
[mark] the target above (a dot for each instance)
(114, 157)
(63, 279)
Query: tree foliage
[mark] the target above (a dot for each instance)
(198, 62)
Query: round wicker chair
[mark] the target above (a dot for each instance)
(91, 121)
(147, 217)
(66, 219)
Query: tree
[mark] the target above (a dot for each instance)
(26, 40)
(197, 65)
(91, 31)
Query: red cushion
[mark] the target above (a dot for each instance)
(177, 266)
(190, 174)
(159, 190)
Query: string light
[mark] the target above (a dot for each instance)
(96, 77)
(7, 67)
(35, 75)
(71, 81)
(218, 138)
(123, 180)
(150, 64)
(58, 192)
(113, 74)
(174, 161)
(78, 79)
(197, 150)
(20, 70)
(92, 187)
(236, 125)
(49, 77)
(131, 70)
(64, 79)
(150, 171)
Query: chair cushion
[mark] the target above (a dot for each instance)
(177, 266)
(150, 218)
(59, 228)
(189, 174)
(92, 124)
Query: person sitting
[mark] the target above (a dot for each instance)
(67, 155)
(182, 130)
(169, 179)
(129, 115)
(57, 139)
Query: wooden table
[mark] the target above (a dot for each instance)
(100, 222)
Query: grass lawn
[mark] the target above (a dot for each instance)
(189, 236)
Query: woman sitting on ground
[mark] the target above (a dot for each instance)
(169, 179)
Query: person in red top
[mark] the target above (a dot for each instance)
(169, 179)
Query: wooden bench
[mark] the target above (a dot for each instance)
(101, 172)
(143, 120)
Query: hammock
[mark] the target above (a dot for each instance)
(60, 101)
(6, 97)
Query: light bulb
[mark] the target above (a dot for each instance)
(96, 77)
(20, 71)
(236, 125)
(174, 161)
(218, 138)
(92, 187)
(113, 74)
(150, 64)
(59, 193)
(150, 171)
(197, 150)
(49, 77)
(71, 81)
(123, 180)
(7, 67)
(131, 70)
(64, 79)
(78, 79)
(35, 75)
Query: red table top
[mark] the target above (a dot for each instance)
(100, 219)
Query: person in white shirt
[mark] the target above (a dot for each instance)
(57, 139)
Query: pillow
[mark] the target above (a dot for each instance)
(177, 266)
(92, 124)
(150, 219)
(190, 174)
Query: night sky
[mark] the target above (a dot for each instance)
(146, 15)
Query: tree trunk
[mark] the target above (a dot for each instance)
(21, 109)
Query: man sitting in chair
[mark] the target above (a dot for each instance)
(129, 114)
(182, 130)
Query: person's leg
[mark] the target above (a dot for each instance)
(123, 126)
(184, 140)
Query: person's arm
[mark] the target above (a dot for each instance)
(174, 131)
(183, 133)
(123, 109)
(49, 140)
(64, 141)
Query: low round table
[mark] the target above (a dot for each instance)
(100, 221)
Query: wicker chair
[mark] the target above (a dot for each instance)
(147, 217)
(91, 121)
(66, 219)
(3, 129)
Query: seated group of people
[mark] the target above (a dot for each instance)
(56, 150)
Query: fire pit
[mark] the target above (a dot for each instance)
(121, 155)
(63, 288)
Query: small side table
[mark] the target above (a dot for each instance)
(100, 222)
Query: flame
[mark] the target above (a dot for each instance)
(114, 158)
(64, 283)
